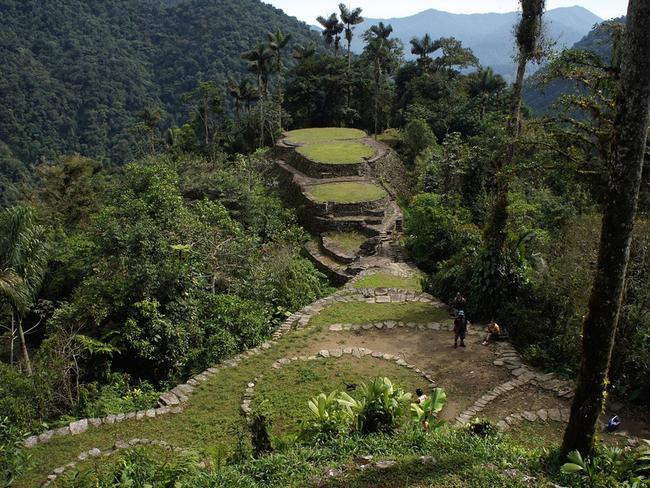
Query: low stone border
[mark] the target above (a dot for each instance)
(247, 399)
(480, 404)
(543, 415)
(118, 446)
(392, 324)
(357, 352)
(509, 358)
(81, 426)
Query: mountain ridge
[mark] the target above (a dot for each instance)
(489, 35)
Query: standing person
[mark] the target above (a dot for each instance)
(460, 329)
(493, 331)
(459, 303)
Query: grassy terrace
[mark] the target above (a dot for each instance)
(323, 134)
(307, 379)
(337, 152)
(211, 418)
(346, 192)
(348, 241)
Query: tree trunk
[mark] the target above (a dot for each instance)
(495, 233)
(23, 347)
(628, 149)
(12, 338)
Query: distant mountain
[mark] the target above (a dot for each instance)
(490, 36)
(541, 99)
(74, 72)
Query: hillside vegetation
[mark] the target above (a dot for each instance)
(76, 73)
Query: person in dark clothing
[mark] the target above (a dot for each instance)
(459, 303)
(460, 329)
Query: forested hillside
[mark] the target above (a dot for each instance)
(75, 73)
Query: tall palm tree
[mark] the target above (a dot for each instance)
(301, 53)
(260, 61)
(278, 40)
(423, 47)
(243, 91)
(23, 264)
(350, 18)
(332, 29)
(235, 87)
(384, 53)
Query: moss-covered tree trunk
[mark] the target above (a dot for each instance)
(628, 149)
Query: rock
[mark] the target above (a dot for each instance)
(427, 460)
(376, 354)
(45, 436)
(94, 452)
(542, 414)
(336, 353)
(324, 353)
(530, 416)
(151, 413)
(385, 464)
(59, 470)
(109, 419)
(31, 441)
(162, 410)
(63, 430)
(82, 456)
(336, 327)
(554, 415)
(119, 444)
(169, 399)
(363, 460)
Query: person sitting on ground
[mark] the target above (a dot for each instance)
(420, 395)
(493, 331)
(460, 329)
(459, 303)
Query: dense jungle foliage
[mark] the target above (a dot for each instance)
(75, 74)
(127, 278)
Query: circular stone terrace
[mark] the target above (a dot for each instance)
(331, 145)
(346, 192)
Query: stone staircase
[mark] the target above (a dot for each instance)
(333, 224)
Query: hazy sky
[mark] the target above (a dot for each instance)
(308, 10)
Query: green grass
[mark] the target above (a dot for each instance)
(338, 152)
(364, 313)
(390, 137)
(323, 134)
(385, 280)
(306, 379)
(346, 192)
(348, 241)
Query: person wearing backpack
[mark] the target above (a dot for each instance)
(460, 329)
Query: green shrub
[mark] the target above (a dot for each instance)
(380, 406)
(416, 137)
(611, 466)
(25, 400)
(116, 396)
(13, 458)
(436, 230)
(330, 417)
(139, 467)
